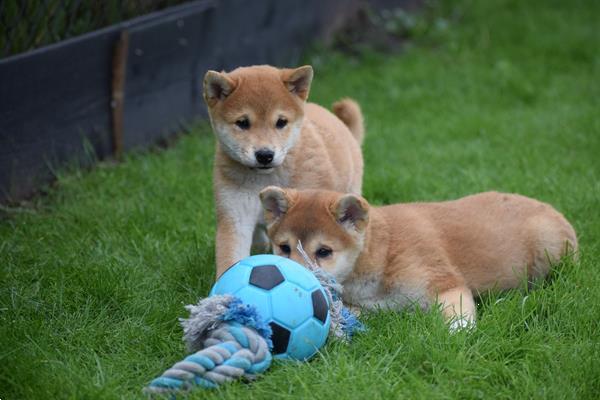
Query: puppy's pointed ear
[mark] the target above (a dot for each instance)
(298, 80)
(217, 86)
(276, 202)
(352, 212)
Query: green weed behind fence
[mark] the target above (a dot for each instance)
(29, 24)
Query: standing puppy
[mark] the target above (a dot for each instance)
(419, 253)
(268, 135)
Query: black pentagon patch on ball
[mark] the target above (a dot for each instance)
(266, 277)
(280, 338)
(319, 305)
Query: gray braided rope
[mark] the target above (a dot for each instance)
(228, 352)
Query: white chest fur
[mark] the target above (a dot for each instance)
(368, 291)
(239, 204)
(241, 200)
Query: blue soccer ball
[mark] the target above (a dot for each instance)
(288, 296)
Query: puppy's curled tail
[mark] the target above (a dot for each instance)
(349, 112)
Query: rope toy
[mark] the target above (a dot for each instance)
(231, 341)
(234, 343)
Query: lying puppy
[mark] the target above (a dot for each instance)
(419, 253)
(268, 135)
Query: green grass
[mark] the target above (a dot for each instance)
(95, 275)
(29, 24)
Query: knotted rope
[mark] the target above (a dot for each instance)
(231, 351)
(234, 343)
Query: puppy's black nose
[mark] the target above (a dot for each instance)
(264, 156)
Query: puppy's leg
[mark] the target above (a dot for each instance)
(232, 243)
(237, 216)
(458, 307)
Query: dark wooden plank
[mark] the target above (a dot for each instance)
(55, 105)
(52, 102)
(162, 85)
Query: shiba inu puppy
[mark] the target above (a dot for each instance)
(267, 134)
(419, 253)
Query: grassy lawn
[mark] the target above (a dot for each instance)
(505, 97)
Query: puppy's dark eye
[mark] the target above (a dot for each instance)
(243, 123)
(324, 252)
(281, 123)
(285, 249)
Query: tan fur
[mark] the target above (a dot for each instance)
(418, 254)
(314, 150)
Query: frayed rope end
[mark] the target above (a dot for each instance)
(212, 311)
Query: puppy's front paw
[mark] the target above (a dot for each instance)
(461, 323)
